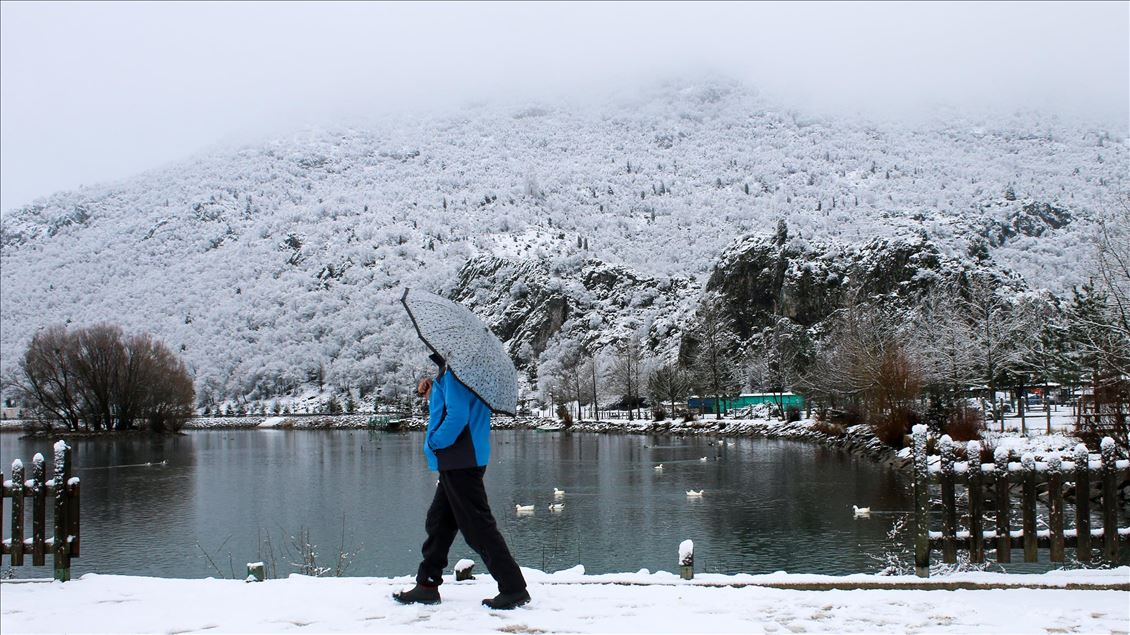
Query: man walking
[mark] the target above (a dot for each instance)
(457, 445)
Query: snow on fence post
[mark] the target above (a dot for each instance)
(1055, 506)
(921, 503)
(64, 543)
(1082, 504)
(256, 572)
(976, 495)
(38, 511)
(16, 550)
(61, 542)
(686, 560)
(1004, 530)
(949, 508)
(1028, 506)
(1110, 500)
(463, 570)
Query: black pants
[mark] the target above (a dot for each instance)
(460, 505)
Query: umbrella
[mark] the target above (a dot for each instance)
(473, 354)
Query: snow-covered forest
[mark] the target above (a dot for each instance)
(277, 268)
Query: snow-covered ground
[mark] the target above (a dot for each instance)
(571, 602)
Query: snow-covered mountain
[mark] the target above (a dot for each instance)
(277, 266)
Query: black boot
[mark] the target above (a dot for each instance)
(419, 594)
(507, 601)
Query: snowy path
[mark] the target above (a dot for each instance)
(566, 602)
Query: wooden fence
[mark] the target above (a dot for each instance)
(63, 488)
(997, 478)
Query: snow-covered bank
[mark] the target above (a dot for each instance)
(569, 601)
(857, 439)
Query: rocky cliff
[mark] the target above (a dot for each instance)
(760, 278)
(529, 302)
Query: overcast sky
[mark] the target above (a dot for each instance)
(94, 92)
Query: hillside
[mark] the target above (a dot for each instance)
(278, 266)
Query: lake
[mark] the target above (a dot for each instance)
(207, 502)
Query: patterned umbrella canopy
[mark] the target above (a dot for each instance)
(474, 355)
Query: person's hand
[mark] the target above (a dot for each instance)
(424, 388)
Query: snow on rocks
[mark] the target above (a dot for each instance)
(570, 601)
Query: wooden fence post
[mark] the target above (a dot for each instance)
(976, 528)
(463, 570)
(1082, 504)
(686, 559)
(1000, 474)
(1028, 508)
(1110, 501)
(60, 544)
(921, 503)
(256, 572)
(16, 550)
(949, 507)
(38, 511)
(1055, 506)
(73, 485)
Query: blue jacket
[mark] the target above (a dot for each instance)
(458, 426)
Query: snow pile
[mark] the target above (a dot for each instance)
(570, 602)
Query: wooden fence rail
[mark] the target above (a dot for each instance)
(997, 478)
(64, 543)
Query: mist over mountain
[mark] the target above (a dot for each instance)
(277, 267)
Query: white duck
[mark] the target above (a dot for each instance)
(659, 468)
(861, 511)
(524, 509)
(693, 494)
(558, 493)
(556, 507)
(703, 459)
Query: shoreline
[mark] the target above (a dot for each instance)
(857, 440)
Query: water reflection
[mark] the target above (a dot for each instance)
(207, 499)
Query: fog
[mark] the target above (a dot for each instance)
(96, 92)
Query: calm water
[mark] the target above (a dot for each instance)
(769, 505)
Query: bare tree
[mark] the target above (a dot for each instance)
(562, 375)
(576, 379)
(593, 368)
(97, 355)
(1113, 266)
(942, 338)
(669, 383)
(713, 340)
(1100, 354)
(867, 362)
(944, 341)
(624, 374)
(91, 376)
(1001, 330)
(47, 379)
(166, 387)
(1112, 325)
(776, 360)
